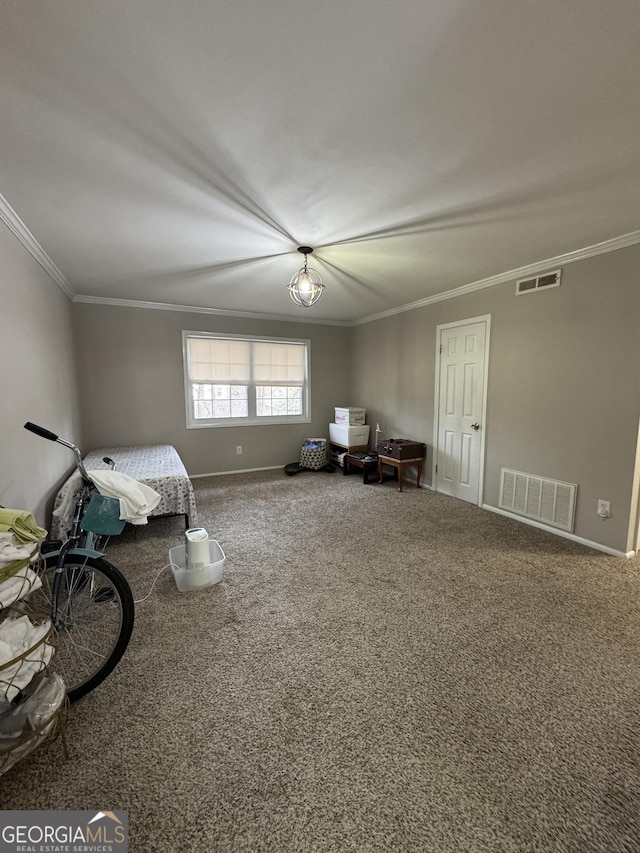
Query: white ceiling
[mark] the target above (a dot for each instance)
(178, 151)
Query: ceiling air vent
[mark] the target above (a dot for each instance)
(540, 282)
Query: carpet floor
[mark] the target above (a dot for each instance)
(375, 672)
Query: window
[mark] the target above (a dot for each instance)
(241, 380)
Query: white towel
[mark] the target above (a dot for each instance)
(16, 637)
(18, 586)
(12, 550)
(71, 488)
(137, 500)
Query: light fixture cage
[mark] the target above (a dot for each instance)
(306, 287)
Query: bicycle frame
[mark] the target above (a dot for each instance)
(78, 542)
(89, 600)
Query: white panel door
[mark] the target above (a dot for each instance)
(460, 410)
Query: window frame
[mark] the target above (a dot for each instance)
(252, 419)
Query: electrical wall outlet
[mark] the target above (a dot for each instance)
(239, 450)
(604, 509)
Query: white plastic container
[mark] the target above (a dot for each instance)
(198, 578)
(349, 436)
(350, 416)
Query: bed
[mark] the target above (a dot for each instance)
(158, 466)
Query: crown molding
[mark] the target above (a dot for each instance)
(603, 248)
(17, 226)
(630, 239)
(193, 309)
(20, 230)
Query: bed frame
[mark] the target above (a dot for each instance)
(158, 466)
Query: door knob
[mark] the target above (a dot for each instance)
(475, 426)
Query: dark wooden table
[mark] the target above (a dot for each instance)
(400, 465)
(351, 462)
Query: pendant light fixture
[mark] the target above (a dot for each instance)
(306, 285)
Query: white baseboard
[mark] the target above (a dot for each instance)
(239, 471)
(563, 533)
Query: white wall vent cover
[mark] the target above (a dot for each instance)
(539, 282)
(550, 501)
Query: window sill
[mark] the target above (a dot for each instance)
(246, 422)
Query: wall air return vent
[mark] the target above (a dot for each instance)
(540, 282)
(548, 501)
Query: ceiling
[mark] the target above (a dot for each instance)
(178, 151)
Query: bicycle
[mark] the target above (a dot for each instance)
(89, 600)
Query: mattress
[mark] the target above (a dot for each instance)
(158, 466)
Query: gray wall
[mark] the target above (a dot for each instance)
(564, 386)
(37, 380)
(131, 372)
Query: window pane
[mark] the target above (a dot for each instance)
(233, 379)
(278, 401)
(239, 408)
(220, 401)
(202, 410)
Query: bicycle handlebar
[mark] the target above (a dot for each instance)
(45, 433)
(41, 431)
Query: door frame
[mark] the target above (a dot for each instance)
(483, 318)
(633, 536)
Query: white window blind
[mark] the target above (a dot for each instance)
(230, 380)
(278, 363)
(219, 360)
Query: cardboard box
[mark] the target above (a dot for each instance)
(349, 436)
(350, 416)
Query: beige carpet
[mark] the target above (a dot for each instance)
(375, 672)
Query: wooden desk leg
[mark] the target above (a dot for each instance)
(400, 472)
(379, 470)
(419, 475)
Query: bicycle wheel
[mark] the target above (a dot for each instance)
(95, 620)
